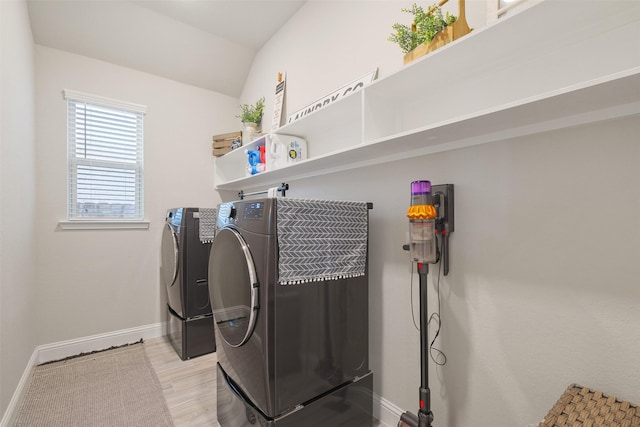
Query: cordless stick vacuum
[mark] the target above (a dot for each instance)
(429, 219)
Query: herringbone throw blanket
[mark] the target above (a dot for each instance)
(207, 224)
(321, 239)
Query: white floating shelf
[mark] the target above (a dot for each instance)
(504, 81)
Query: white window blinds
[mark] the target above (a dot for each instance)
(105, 162)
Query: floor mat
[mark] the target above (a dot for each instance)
(117, 387)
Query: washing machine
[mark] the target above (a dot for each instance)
(184, 272)
(288, 355)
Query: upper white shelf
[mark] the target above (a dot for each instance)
(506, 80)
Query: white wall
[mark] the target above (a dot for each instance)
(540, 295)
(92, 282)
(17, 198)
(543, 285)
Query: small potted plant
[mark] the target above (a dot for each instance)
(251, 118)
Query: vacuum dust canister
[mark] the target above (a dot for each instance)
(422, 219)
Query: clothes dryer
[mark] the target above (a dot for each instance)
(184, 271)
(285, 353)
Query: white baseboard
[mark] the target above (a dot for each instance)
(63, 349)
(60, 350)
(14, 403)
(385, 411)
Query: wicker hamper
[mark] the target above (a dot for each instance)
(580, 407)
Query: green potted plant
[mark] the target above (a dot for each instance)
(251, 118)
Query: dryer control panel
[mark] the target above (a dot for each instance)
(253, 211)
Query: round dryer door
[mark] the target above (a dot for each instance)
(169, 260)
(233, 286)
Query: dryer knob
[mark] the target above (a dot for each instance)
(232, 213)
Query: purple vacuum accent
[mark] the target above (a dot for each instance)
(421, 193)
(420, 187)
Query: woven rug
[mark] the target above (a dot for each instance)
(581, 407)
(116, 387)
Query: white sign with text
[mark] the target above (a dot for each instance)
(334, 96)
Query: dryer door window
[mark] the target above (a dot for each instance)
(233, 287)
(169, 261)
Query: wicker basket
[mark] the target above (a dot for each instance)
(580, 407)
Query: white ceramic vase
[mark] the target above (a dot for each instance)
(249, 131)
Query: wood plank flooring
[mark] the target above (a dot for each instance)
(189, 386)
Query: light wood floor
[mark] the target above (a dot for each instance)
(189, 386)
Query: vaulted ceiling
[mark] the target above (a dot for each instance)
(205, 43)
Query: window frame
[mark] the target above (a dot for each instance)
(496, 10)
(103, 222)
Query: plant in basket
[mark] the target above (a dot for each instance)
(424, 28)
(429, 30)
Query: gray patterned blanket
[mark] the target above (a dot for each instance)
(208, 218)
(321, 239)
